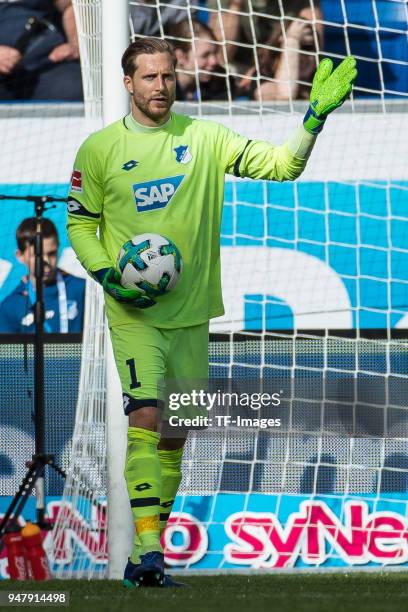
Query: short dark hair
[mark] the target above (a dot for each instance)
(25, 233)
(148, 45)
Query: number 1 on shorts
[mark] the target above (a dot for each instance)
(134, 384)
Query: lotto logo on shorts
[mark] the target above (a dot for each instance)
(76, 181)
(156, 194)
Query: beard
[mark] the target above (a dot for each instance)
(144, 105)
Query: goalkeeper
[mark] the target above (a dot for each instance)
(156, 171)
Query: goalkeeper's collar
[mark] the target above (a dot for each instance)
(134, 126)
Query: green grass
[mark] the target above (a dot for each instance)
(352, 592)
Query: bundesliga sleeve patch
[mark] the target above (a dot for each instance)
(76, 181)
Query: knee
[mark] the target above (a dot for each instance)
(145, 418)
(170, 444)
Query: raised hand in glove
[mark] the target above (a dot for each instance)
(330, 89)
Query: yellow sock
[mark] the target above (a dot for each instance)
(143, 479)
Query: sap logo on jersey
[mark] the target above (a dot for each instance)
(156, 194)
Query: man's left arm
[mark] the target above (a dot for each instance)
(261, 160)
(70, 49)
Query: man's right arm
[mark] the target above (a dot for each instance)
(85, 202)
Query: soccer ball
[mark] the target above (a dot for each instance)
(150, 263)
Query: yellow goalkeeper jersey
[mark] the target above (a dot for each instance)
(129, 179)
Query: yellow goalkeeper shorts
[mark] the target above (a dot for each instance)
(145, 356)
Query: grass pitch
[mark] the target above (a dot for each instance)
(352, 592)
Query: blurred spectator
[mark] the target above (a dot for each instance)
(39, 51)
(199, 74)
(146, 16)
(63, 293)
(290, 58)
(280, 40)
(237, 25)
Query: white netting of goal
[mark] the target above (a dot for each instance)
(328, 252)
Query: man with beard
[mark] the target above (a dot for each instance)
(63, 293)
(157, 171)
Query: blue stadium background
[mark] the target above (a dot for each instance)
(365, 239)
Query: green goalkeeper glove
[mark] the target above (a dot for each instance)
(329, 91)
(109, 278)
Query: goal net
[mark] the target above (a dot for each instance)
(316, 291)
(39, 141)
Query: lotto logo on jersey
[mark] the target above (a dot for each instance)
(76, 181)
(156, 194)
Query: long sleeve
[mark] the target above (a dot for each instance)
(82, 232)
(259, 159)
(85, 208)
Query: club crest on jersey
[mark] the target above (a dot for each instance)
(156, 194)
(76, 181)
(183, 155)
